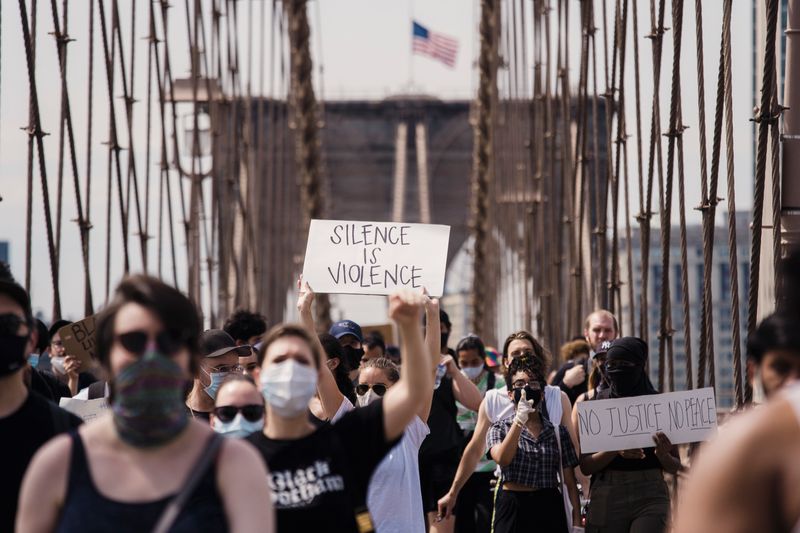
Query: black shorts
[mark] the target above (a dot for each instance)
(436, 474)
(516, 511)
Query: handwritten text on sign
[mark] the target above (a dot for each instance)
(375, 257)
(79, 340)
(627, 423)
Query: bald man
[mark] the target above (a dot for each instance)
(573, 375)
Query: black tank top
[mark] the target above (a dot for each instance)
(88, 511)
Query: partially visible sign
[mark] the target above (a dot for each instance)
(628, 423)
(87, 410)
(386, 331)
(348, 257)
(80, 341)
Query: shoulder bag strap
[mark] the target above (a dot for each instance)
(199, 469)
(564, 491)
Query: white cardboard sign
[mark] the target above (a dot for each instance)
(628, 423)
(350, 257)
(87, 410)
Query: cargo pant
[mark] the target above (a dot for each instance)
(628, 502)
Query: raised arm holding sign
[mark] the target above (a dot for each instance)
(350, 257)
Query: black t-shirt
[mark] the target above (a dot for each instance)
(319, 481)
(572, 392)
(48, 385)
(21, 435)
(445, 432)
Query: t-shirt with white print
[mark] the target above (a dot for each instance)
(319, 481)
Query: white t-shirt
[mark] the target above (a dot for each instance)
(393, 496)
(498, 406)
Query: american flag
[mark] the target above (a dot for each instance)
(434, 45)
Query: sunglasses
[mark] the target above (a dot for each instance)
(379, 388)
(136, 342)
(251, 413)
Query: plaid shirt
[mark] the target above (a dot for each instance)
(536, 462)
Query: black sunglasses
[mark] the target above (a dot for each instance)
(136, 342)
(379, 388)
(251, 413)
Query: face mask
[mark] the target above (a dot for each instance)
(759, 394)
(33, 360)
(216, 380)
(366, 399)
(472, 372)
(239, 427)
(530, 394)
(288, 387)
(12, 346)
(58, 364)
(148, 405)
(353, 356)
(624, 381)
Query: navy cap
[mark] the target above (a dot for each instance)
(603, 348)
(346, 327)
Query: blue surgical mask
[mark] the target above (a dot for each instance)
(239, 427)
(216, 380)
(33, 360)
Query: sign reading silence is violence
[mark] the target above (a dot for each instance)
(348, 257)
(629, 423)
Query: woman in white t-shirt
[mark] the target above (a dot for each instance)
(497, 406)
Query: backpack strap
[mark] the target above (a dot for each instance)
(176, 505)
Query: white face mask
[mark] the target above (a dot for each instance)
(58, 364)
(759, 394)
(288, 387)
(364, 400)
(239, 427)
(472, 372)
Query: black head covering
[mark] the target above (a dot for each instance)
(629, 381)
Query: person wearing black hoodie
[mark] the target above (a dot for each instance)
(628, 492)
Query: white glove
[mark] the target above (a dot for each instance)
(524, 409)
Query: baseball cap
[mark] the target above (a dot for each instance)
(603, 348)
(346, 327)
(215, 342)
(10, 287)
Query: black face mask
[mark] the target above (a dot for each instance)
(530, 394)
(624, 381)
(353, 356)
(12, 346)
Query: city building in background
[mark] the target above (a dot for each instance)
(721, 300)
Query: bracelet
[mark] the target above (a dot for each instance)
(519, 424)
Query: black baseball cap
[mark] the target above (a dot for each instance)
(215, 342)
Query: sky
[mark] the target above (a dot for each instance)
(361, 50)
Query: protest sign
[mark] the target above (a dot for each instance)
(386, 331)
(628, 423)
(79, 341)
(348, 257)
(87, 410)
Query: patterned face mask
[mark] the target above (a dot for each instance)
(148, 403)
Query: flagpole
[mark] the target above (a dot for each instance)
(411, 47)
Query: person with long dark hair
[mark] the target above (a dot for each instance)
(146, 464)
(532, 454)
(628, 492)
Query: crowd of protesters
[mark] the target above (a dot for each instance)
(252, 428)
